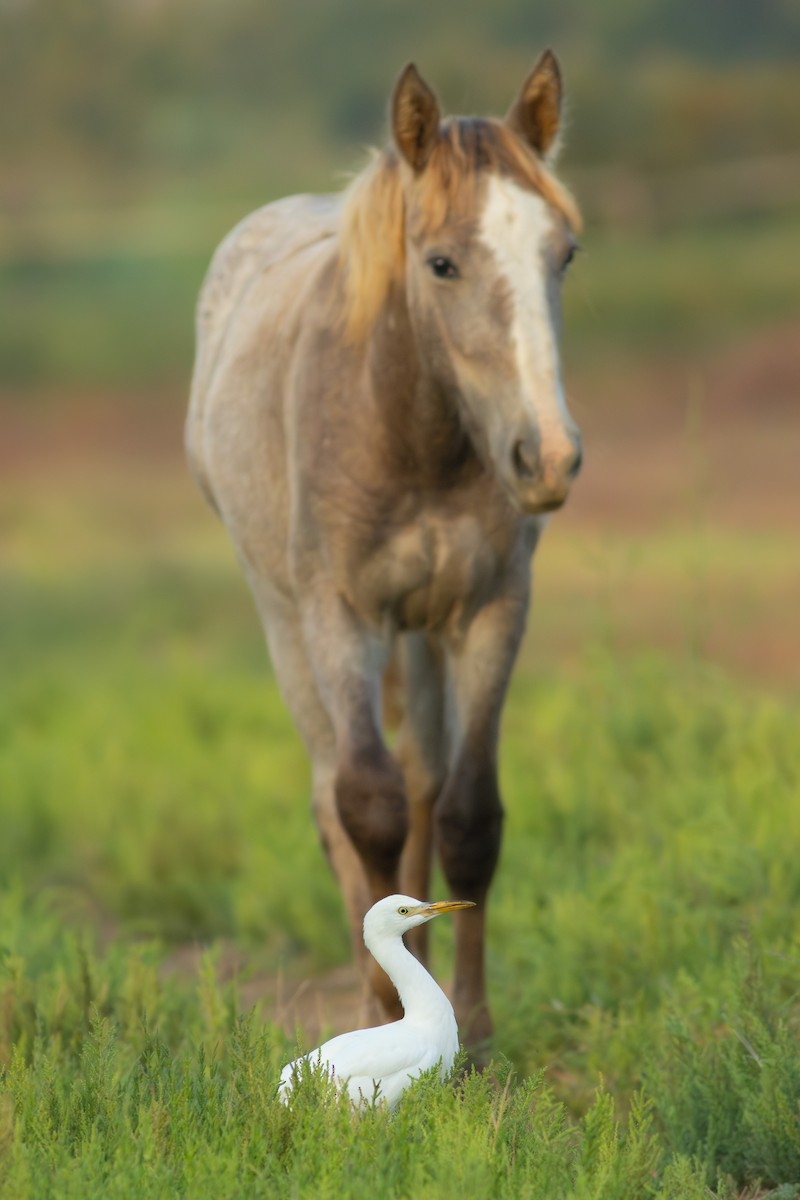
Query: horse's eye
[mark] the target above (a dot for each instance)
(442, 267)
(568, 257)
(403, 912)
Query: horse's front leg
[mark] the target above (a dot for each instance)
(348, 660)
(469, 813)
(421, 749)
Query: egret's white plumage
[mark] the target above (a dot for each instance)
(382, 1061)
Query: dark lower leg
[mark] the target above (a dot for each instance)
(469, 979)
(469, 824)
(379, 1000)
(415, 863)
(371, 804)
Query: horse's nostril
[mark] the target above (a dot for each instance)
(577, 462)
(525, 456)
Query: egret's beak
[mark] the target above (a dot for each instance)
(443, 906)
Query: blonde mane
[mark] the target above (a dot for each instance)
(373, 220)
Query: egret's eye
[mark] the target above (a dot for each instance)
(442, 267)
(403, 912)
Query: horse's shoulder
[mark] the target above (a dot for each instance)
(265, 237)
(278, 229)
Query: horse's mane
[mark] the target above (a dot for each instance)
(372, 229)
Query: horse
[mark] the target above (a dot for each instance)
(377, 416)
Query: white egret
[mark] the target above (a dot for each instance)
(383, 1061)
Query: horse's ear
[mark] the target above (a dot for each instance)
(415, 117)
(535, 115)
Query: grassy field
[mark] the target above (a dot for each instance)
(644, 933)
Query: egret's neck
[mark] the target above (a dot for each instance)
(420, 995)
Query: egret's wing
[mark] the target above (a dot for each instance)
(392, 1084)
(367, 1057)
(374, 1053)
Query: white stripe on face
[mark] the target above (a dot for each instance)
(516, 225)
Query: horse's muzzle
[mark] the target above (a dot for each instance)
(538, 481)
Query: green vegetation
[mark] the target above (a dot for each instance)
(123, 1113)
(644, 942)
(117, 320)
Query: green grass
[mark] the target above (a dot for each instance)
(115, 318)
(129, 1116)
(644, 933)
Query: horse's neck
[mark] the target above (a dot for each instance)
(419, 419)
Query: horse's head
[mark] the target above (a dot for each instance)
(489, 234)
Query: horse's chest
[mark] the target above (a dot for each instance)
(432, 572)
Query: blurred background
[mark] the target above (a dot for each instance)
(142, 739)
